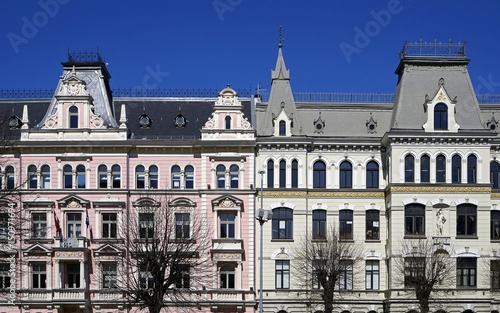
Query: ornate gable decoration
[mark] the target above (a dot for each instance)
(228, 96)
(227, 202)
(440, 111)
(73, 202)
(73, 86)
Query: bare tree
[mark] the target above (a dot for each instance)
(422, 268)
(166, 260)
(327, 265)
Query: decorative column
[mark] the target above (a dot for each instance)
(49, 274)
(82, 274)
(57, 273)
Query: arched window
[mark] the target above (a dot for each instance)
(456, 169)
(471, 169)
(176, 177)
(319, 174)
(345, 174)
(80, 176)
(372, 175)
(282, 128)
(9, 173)
(103, 176)
(45, 171)
(227, 119)
(73, 117)
(295, 174)
(68, 176)
(140, 176)
(409, 168)
(425, 168)
(440, 169)
(221, 176)
(495, 174)
(415, 219)
(282, 174)
(153, 177)
(319, 224)
(270, 174)
(189, 177)
(116, 176)
(282, 223)
(32, 177)
(234, 172)
(227, 277)
(441, 117)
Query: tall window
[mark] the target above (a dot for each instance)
(495, 274)
(440, 169)
(227, 225)
(471, 169)
(295, 173)
(372, 275)
(146, 225)
(466, 220)
(282, 268)
(10, 180)
(319, 224)
(227, 277)
(282, 128)
(74, 224)
(182, 226)
(153, 177)
(189, 177)
(345, 224)
(176, 177)
(425, 169)
(103, 176)
(319, 174)
(4, 275)
(45, 173)
(140, 177)
(495, 174)
(415, 219)
(282, 223)
(282, 174)
(346, 174)
(80, 176)
(346, 275)
(372, 225)
(466, 272)
(68, 176)
(270, 174)
(109, 225)
(39, 225)
(234, 172)
(414, 268)
(227, 119)
(441, 117)
(495, 225)
(4, 226)
(146, 279)
(409, 169)
(32, 177)
(73, 117)
(183, 277)
(456, 169)
(116, 176)
(372, 175)
(221, 176)
(38, 276)
(109, 275)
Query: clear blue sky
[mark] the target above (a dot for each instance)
(211, 43)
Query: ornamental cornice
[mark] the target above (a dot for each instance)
(495, 196)
(439, 189)
(323, 194)
(281, 194)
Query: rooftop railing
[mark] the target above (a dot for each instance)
(174, 92)
(85, 57)
(433, 49)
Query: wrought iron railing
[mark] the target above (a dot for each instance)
(433, 49)
(338, 97)
(174, 92)
(26, 93)
(85, 57)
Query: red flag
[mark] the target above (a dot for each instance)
(58, 226)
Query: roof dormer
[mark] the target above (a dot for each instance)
(440, 111)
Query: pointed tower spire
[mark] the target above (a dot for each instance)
(280, 72)
(25, 119)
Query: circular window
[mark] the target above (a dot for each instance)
(493, 126)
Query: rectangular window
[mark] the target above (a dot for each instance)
(73, 275)
(108, 225)
(466, 272)
(146, 225)
(146, 280)
(318, 271)
(183, 277)
(109, 275)
(346, 275)
(38, 276)
(189, 181)
(495, 274)
(4, 226)
(319, 224)
(345, 219)
(39, 225)
(414, 269)
(372, 225)
(282, 274)
(4, 275)
(227, 225)
(182, 226)
(74, 224)
(372, 275)
(466, 220)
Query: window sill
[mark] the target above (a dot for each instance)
(38, 240)
(105, 240)
(373, 240)
(282, 240)
(466, 237)
(415, 237)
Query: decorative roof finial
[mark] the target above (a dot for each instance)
(280, 39)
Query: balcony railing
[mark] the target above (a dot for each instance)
(108, 295)
(71, 242)
(36, 295)
(433, 49)
(70, 294)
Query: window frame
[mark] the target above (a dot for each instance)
(466, 272)
(372, 274)
(345, 174)
(409, 168)
(282, 274)
(346, 275)
(73, 117)
(189, 177)
(425, 168)
(295, 173)
(227, 277)
(153, 174)
(319, 224)
(372, 175)
(319, 174)
(346, 224)
(441, 169)
(182, 225)
(471, 169)
(38, 225)
(234, 179)
(109, 225)
(146, 225)
(441, 116)
(270, 174)
(456, 169)
(467, 220)
(102, 174)
(414, 220)
(282, 171)
(32, 177)
(495, 174)
(372, 218)
(221, 176)
(282, 223)
(38, 275)
(74, 225)
(227, 225)
(109, 275)
(175, 173)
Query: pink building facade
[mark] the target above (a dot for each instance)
(81, 167)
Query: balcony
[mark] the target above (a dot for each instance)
(107, 295)
(70, 295)
(71, 242)
(36, 295)
(227, 245)
(227, 295)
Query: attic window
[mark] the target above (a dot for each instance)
(441, 117)
(15, 122)
(180, 121)
(145, 121)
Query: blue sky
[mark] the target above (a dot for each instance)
(208, 44)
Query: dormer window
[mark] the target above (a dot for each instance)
(282, 128)
(145, 121)
(180, 121)
(15, 122)
(441, 117)
(73, 117)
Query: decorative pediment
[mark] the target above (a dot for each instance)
(227, 202)
(182, 202)
(146, 203)
(37, 249)
(73, 86)
(107, 249)
(73, 202)
(228, 96)
(440, 111)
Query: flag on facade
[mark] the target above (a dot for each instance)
(87, 222)
(58, 226)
